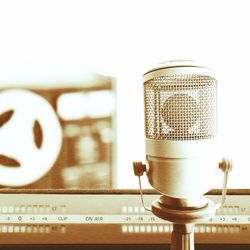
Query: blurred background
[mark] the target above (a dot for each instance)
(86, 59)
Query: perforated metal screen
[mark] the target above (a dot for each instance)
(180, 107)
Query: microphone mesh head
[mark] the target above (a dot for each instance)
(180, 107)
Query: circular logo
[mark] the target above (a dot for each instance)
(30, 137)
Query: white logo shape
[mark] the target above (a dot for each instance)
(30, 137)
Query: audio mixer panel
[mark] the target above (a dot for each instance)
(110, 217)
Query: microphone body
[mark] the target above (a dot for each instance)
(181, 127)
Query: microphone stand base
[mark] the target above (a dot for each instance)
(183, 217)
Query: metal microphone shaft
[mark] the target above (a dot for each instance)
(182, 237)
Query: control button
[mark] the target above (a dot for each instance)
(23, 209)
(124, 210)
(225, 229)
(161, 229)
(23, 229)
(47, 229)
(35, 229)
(224, 210)
(29, 209)
(10, 229)
(237, 229)
(142, 210)
(35, 209)
(136, 210)
(130, 229)
(63, 209)
(41, 209)
(16, 229)
(41, 229)
(4, 209)
(130, 209)
(202, 229)
(219, 229)
(11, 209)
(47, 209)
(124, 229)
(232, 229)
(208, 229)
(236, 210)
(145, 229)
(214, 229)
(155, 229)
(167, 229)
(4, 229)
(219, 211)
(148, 229)
(29, 229)
(17, 209)
(142, 229)
(63, 229)
(136, 229)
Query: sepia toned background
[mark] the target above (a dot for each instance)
(86, 58)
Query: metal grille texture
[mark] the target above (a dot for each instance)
(181, 107)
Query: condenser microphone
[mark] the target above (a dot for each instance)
(181, 151)
(181, 128)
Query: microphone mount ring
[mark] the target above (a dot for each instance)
(183, 219)
(183, 215)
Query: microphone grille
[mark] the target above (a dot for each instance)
(180, 107)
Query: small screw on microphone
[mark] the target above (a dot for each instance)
(226, 165)
(139, 168)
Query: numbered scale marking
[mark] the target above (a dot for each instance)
(106, 219)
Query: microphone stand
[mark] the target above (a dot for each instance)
(182, 237)
(184, 213)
